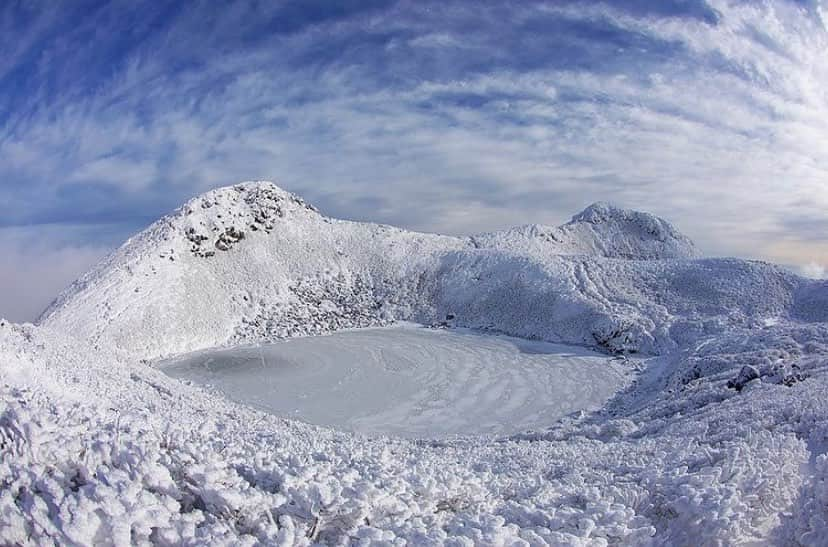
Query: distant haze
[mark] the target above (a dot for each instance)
(452, 117)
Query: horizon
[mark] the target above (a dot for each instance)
(455, 118)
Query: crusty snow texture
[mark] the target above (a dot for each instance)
(97, 446)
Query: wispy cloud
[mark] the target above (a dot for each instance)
(450, 117)
(37, 265)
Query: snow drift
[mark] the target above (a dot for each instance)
(722, 439)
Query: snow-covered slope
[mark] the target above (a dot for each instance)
(721, 440)
(252, 262)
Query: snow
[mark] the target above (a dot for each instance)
(99, 446)
(409, 381)
(601, 229)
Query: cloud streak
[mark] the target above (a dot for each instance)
(442, 117)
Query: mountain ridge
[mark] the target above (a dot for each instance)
(252, 262)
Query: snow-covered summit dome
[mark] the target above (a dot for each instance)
(602, 212)
(255, 192)
(626, 233)
(602, 230)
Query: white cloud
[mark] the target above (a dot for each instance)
(34, 270)
(814, 271)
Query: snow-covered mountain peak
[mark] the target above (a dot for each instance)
(626, 233)
(259, 193)
(602, 230)
(603, 212)
(220, 218)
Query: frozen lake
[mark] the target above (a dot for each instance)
(410, 381)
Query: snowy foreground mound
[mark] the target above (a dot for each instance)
(722, 439)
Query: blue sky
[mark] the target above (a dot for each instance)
(440, 116)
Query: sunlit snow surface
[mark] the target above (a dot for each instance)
(410, 381)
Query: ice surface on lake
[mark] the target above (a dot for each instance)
(413, 382)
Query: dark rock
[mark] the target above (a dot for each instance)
(747, 374)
